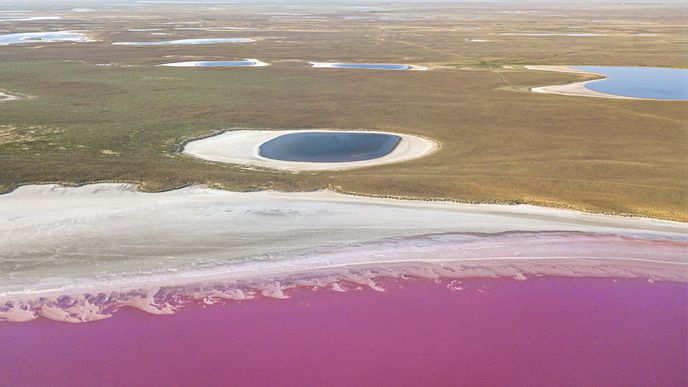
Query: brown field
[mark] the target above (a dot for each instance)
(78, 122)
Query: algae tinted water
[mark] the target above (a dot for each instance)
(641, 82)
(487, 332)
(329, 147)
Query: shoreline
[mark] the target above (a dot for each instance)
(576, 89)
(190, 41)
(107, 246)
(242, 147)
(139, 186)
(164, 296)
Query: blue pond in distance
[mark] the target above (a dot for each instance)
(226, 63)
(38, 37)
(641, 82)
(187, 41)
(372, 66)
(329, 147)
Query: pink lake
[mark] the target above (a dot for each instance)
(538, 332)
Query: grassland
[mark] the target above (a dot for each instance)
(80, 122)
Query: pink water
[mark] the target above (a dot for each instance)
(538, 332)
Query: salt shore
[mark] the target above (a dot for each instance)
(187, 42)
(243, 147)
(578, 89)
(7, 97)
(44, 37)
(80, 254)
(30, 18)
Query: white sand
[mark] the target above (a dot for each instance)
(332, 65)
(7, 97)
(254, 63)
(111, 238)
(44, 37)
(243, 147)
(577, 89)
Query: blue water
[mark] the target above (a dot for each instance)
(372, 66)
(329, 147)
(641, 82)
(38, 37)
(187, 41)
(225, 63)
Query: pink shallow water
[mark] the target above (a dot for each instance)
(538, 332)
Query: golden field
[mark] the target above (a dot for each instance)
(80, 121)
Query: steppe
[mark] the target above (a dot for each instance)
(98, 112)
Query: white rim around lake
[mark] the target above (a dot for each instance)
(45, 37)
(4, 97)
(243, 147)
(254, 63)
(576, 89)
(334, 66)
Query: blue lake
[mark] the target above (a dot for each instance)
(218, 63)
(641, 82)
(187, 41)
(371, 66)
(329, 147)
(226, 63)
(41, 37)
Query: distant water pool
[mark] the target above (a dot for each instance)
(226, 63)
(218, 63)
(640, 82)
(329, 147)
(187, 41)
(42, 37)
(367, 66)
(371, 66)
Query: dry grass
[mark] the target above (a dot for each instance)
(500, 144)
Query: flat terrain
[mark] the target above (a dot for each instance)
(101, 112)
(110, 239)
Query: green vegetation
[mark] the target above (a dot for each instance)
(125, 122)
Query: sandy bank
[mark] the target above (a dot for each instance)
(578, 89)
(243, 147)
(44, 37)
(127, 246)
(7, 97)
(187, 42)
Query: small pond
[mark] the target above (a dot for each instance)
(42, 37)
(218, 63)
(186, 41)
(371, 66)
(329, 147)
(640, 82)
